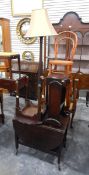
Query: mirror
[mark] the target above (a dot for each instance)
(22, 28)
(1, 46)
(28, 55)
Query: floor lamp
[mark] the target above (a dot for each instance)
(40, 26)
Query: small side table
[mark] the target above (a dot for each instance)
(8, 56)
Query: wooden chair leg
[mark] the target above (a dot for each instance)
(64, 141)
(2, 117)
(16, 144)
(87, 98)
(71, 123)
(59, 155)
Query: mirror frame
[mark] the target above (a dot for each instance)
(30, 53)
(24, 40)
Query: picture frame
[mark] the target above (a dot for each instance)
(24, 8)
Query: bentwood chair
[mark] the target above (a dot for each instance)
(64, 50)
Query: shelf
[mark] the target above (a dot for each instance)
(83, 45)
(76, 57)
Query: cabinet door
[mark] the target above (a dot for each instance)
(86, 46)
(79, 46)
(86, 39)
(5, 45)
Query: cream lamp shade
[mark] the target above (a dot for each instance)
(40, 24)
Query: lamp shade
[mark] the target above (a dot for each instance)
(40, 24)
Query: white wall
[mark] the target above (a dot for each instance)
(56, 10)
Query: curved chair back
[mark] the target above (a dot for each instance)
(56, 99)
(65, 42)
(64, 51)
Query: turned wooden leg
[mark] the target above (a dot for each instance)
(2, 113)
(3, 119)
(64, 140)
(65, 137)
(71, 123)
(87, 98)
(59, 155)
(16, 144)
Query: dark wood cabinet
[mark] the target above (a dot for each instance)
(72, 21)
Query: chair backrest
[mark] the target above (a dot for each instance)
(68, 39)
(56, 98)
(64, 50)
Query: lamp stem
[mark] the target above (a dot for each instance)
(40, 71)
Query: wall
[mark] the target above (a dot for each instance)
(56, 10)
